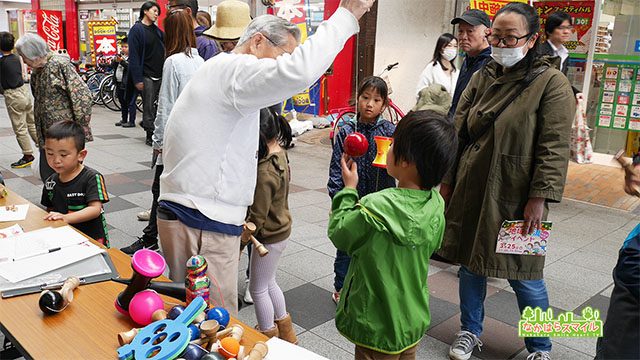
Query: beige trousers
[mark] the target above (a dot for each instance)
(179, 242)
(363, 353)
(20, 108)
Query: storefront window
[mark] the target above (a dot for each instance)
(614, 92)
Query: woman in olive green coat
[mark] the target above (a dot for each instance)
(511, 169)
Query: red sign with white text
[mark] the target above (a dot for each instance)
(581, 13)
(50, 28)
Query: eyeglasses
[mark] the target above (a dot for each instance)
(274, 44)
(509, 41)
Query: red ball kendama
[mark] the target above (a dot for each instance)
(356, 145)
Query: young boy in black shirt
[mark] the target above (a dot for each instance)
(75, 193)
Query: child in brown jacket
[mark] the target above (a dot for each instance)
(270, 213)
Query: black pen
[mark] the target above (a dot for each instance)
(38, 254)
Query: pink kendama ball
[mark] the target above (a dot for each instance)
(143, 305)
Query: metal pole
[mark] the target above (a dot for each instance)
(592, 49)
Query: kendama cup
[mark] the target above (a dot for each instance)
(383, 144)
(53, 302)
(247, 235)
(146, 265)
(259, 351)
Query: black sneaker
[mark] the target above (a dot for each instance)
(23, 163)
(120, 123)
(139, 244)
(128, 125)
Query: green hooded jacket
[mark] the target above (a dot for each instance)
(390, 236)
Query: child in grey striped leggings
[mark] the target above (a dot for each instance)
(270, 213)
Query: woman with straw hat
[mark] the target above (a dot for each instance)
(232, 19)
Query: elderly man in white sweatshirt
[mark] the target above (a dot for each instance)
(211, 139)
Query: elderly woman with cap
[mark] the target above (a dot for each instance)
(58, 91)
(232, 18)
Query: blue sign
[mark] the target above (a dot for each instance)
(637, 49)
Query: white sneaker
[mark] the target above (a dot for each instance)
(539, 355)
(247, 295)
(463, 346)
(144, 215)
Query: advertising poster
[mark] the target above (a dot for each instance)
(50, 28)
(102, 40)
(619, 105)
(491, 7)
(582, 14)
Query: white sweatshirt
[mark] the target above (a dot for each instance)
(211, 137)
(435, 74)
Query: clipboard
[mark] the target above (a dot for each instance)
(95, 269)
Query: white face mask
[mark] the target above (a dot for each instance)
(507, 57)
(450, 53)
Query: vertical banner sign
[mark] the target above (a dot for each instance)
(295, 11)
(491, 7)
(103, 40)
(582, 15)
(619, 105)
(50, 28)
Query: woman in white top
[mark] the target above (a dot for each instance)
(441, 69)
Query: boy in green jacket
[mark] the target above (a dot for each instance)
(390, 234)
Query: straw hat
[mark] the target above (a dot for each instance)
(232, 19)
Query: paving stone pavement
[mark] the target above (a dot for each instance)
(578, 268)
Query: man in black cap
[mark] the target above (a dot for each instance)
(472, 26)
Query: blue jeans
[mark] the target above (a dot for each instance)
(340, 268)
(473, 290)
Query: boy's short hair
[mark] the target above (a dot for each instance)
(124, 40)
(7, 41)
(428, 140)
(67, 129)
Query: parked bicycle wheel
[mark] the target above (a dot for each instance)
(341, 118)
(107, 92)
(93, 82)
(393, 113)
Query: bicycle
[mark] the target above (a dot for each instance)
(345, 114)
(109, 95)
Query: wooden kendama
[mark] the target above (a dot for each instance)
(53, 302)
(247, 235)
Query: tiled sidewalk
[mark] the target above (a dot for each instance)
(578, 268)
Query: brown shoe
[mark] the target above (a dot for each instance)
(273, 332)
(285, 327)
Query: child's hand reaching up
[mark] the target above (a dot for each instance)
(53, 216)
(349, 172)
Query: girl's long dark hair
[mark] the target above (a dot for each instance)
(273, 126)
(533, 22)
(442, 42)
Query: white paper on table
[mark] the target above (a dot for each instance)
(282, 350)
(13, 212)
(11, 231)
(38, 242)
(16, 271)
